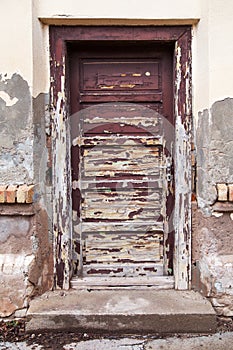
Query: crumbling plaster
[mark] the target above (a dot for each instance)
(212, 259)
(26, 253)
(16, 137)
(214, 144)
(26, 262)
(212, 245)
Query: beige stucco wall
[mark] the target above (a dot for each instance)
(26, 51)
(148, 9)
(220, 49)
(212, 44)
(212, 54)
(16, 38)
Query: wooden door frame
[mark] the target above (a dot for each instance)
(61, 158)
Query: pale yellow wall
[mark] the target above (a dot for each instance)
(25, 46)
(41, 79)
(220, 49)
(213, 54)
(120, 8)
(200, 61)
(16, 38)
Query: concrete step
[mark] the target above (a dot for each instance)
(122, 311)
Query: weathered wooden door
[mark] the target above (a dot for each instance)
(122, 136)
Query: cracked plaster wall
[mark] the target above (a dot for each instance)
(26, 267)
(214, 144)
(212, 231)
(26, 260)
(16, 137)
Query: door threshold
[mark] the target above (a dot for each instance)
(158, 282)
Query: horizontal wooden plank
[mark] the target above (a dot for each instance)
(122, 151)
(150, 236)
(125, 113)
(128, 226)
(120, 117)
(125, 183)
(119, 140)
(118, 204)
(115, 74)
(154, 100)
(125, 213)
(137, 160)
(155, 282)
(128, 241)
(123, 270)
(121, 96)
(102, 168)
(136, 172)
(139, 197)
(133, 32)
(123, 248)
(108, 257)
(121, 128)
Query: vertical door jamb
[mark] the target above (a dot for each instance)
(183, 133)
(62, 204)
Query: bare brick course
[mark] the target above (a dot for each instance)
(222, 192)
(230, 192)
(11, 194)
(16, 194)
(2, 193)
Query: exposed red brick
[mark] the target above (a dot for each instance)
(3, 193)
(21, 193)
(11, 194)
(29, 194)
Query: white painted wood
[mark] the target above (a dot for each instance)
(159, 283)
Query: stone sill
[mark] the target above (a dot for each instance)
(223, 206)
(17, 209)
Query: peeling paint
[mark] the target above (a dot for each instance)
(183, 179)
(25, 255)
(62, 210)
(214, 156)
(121, 180)
(212, 258)
(62, 215)
(7, 99)
(183, 198)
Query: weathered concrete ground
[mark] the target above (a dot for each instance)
(122, 312)
(54, 322)
(217, 341)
